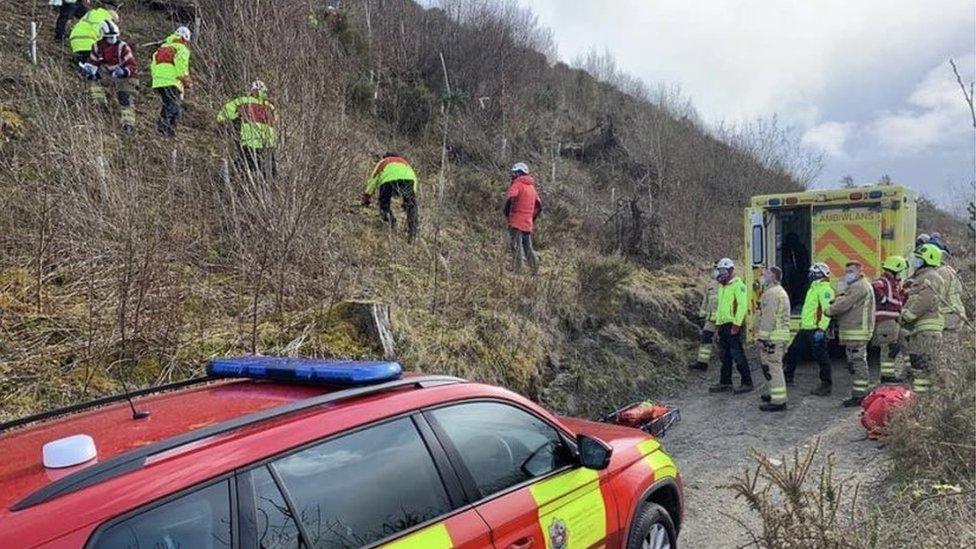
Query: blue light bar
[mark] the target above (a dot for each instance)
(774, 202)
(306, 370)
(875, 194)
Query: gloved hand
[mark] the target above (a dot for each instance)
(88, 69)
(367, 198)
(120, 72)
(735, 329)
(819, 336)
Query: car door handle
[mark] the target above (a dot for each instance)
(524, 543)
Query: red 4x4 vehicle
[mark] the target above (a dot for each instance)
(342, 455)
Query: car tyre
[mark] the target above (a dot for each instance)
(652, 529)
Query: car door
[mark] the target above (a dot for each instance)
(524, 475)
(377, 486)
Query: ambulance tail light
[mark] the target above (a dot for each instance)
(791, 200)
(856, 196)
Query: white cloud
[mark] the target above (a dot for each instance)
(829, 137)
(739, 59)
(936, 113)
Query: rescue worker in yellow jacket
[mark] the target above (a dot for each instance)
(706, 315)
(921, 317)
(393, 175)
(950, 303)
(253, 116)
(853, 310)
(730, 315)
(170, 71)
(87, 31)
(813, 329)
(773, 337)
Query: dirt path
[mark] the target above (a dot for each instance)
(711, 445)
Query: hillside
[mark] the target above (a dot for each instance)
(129, 256)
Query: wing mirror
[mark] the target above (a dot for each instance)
(593, 452)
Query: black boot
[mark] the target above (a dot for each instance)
(851, 402)
(742, 389)
(769, 407)
(700, 366)
(765, 398)
(720, 388)
(891, 379)
(821, 391)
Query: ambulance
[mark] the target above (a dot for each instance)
(794, 230)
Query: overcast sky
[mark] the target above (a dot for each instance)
(865, 81)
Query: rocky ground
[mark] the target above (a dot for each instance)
(716, 431)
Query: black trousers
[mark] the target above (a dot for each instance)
(403, 189)
(65, 12)
(170, 112)
(802, 344)
(730, 350)
(258, 160)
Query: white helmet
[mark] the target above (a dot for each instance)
(724, 263)
(521, 167)
(110, 31)
(184, 32)
(258, 87)
(820, 269)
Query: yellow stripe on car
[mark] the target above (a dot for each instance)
(662, 464)
(571, 507)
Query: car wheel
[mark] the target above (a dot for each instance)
(652, 529)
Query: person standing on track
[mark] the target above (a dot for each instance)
(730, 315)
(888, 300)
(813, 329)
(921, 316)
(706, 315)
(854, 312)
(774, 336)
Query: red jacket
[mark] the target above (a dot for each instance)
(522, 204)
(111, 56)
(888, 297)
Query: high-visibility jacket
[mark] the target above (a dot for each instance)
(854, 311)
(88, 30)
(733, 302)
(815, 303)
(951, 305)
(889, 298)
(256, 120)
(921, 311)
(390, 169)
(774, 315)
(709, 302)
(171, 64)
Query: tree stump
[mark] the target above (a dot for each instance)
(372, 320)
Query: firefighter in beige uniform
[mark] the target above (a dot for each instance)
(854, 312)
(706, 314)
(921, 317)
(950, 302)
(774, 336)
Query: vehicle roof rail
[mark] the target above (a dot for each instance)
(136, 459)
(103, 401)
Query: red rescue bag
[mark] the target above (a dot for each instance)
(641, 413)
(876, 408)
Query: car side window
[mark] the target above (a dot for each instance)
(501, 445)
(198, 519)
(365, 486)
(265, 515)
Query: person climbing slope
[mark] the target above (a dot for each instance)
(170, 72)
(522, 207)
(393, 175)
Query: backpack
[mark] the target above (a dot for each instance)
(876, 408)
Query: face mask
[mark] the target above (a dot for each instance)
(917, 262)
(851, 278)
(724, 276)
